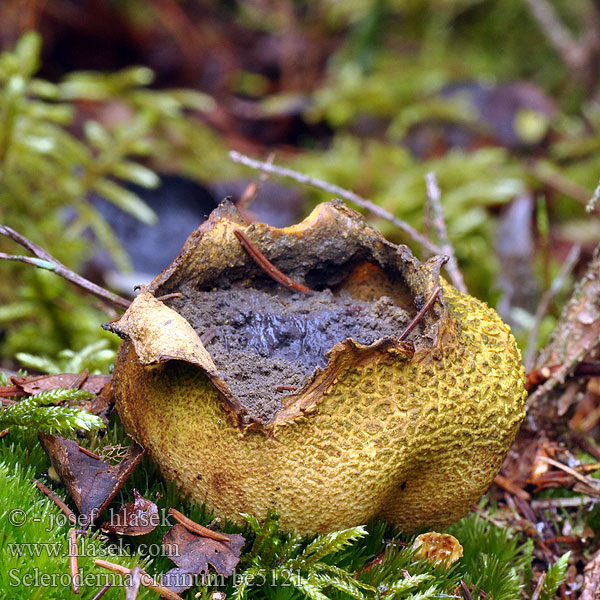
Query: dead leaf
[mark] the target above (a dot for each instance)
(193, 553)
(178, 580)
(99, 385)
(135, 518)
(92, 483)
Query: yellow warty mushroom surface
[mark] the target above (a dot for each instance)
(413, 435)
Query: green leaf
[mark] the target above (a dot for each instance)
(555, 576)
(126, 201)
(194, 100)
(35, 413)
(306, 586)
(27, 52)
(324, 545)
(136, 173)
(97, 135)
(39, 363)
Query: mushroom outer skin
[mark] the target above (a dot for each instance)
(414, 435)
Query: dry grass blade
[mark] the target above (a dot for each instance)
(146, 580)
(57, 500)
(434, 198)
(539, 587)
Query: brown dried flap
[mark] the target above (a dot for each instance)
(159, 334)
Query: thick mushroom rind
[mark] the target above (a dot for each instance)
(412, 432)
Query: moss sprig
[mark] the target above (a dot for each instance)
(35, 412)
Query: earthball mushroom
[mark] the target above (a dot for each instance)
(318, 402)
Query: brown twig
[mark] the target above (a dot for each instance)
(251, 191)
(465, 590)
(197, 528)
(544, 304)
(89, 453)
(574, 339)
(591, 205)
(511, 487)
(434, 198)
(81, 379)
(102, 591)
(556, 32)
(539, 587)
(57, 500)
(559, 182)
(420, 314)
(285, 388)
(569, 470)
(169, 296)
(536, 377)
(74, 560)
(336, 190)
(44, 260)
(587, 446)
(267, 266)
(146, 579)
(578, 54)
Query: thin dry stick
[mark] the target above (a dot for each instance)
(465, 590)
(539, 587)
(197, 528)
(48, 262)
(102, 592)
(434, 198)
(545, 302)
(336, 190)
(564, 468)
(250, 193)
(420, 314)
(73, 561)
(267, 266)
(57, 500)
(89, 453)
(560, 37)
(511, 487)
(591, 205)
(133, 586)
(146, 580)
(545, 503)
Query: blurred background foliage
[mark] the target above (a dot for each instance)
(106, 96)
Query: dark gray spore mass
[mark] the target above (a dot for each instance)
(262, 339)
